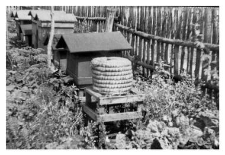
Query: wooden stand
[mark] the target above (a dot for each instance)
(97, 106)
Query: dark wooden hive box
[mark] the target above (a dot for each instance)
(81, 48)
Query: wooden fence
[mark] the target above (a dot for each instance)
(164, 34)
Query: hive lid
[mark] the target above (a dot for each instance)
(26, 29)
(93, 42)
(22, 15)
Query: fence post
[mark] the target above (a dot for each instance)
(109, 19)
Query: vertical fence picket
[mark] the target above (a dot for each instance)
(158, 33)
(140, 54)
(163, 32)
(168, 34)
(207, 38)
(132, 18)
(153, 32)
(143, 29)
(176, 57)
(137, 26)
(149, 27)
(183, 60)
(199, 51)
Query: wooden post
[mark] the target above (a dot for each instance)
(109, 19)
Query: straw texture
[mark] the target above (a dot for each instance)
(111, 75)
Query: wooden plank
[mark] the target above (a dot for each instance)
(132, 19)
(142, 19)
(122, 19)
(148, 56)
(182, 59)
(208, 23)
(173, 28)
(140, 50)
(207, 38)
(176, 54)
(120, 99)
(163, 32)
(119, 116)
(149, 30)
(153, 53)
(153, 32)
(215, 26)
(158, 33)
(138, 17)
(184, 28)
(144, 57)
(179, 36)
(93, 93)
(150, 16)
(88, 98)
(146, 19)
(176, 35)
(90, 112)
(198, 61)
(169, 35)
(166, 56)
(133, 45)
(188, 61)
(192, 62)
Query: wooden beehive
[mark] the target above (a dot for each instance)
(81, 48)
(41, 25)
(59, 55)
(22, 18)
(26, 34)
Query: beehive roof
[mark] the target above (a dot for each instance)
(26, 29)
(34, 12)
(22, 15)
(59, 16)
(56, 38)
(93, 42)
(13, 13)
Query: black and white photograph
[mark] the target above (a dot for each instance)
(112, 77)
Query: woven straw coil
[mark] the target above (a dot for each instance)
(124, 85)
(112, 69)
(120, 73)
(111, 75)
(110, 62)
(118, 77)
(113, 82)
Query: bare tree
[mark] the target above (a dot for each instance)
(109, 19)
(49, 47)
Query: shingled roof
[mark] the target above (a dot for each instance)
(93, 42)
(22, 15)
(26, 29)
